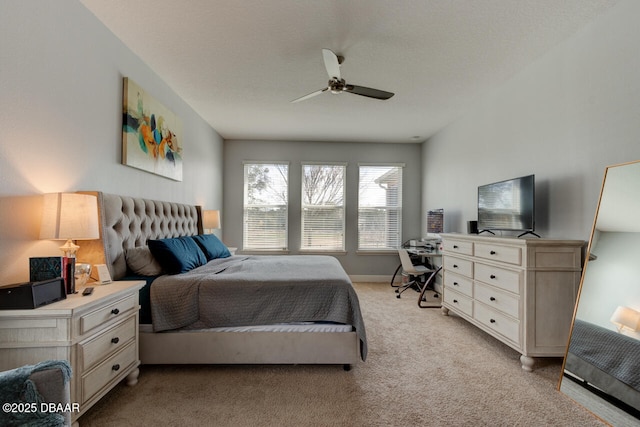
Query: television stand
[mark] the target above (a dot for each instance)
(488, 231)
(520, 291)
(528, 232)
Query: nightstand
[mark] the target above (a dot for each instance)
(97, 334)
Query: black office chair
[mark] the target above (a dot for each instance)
(417, 278)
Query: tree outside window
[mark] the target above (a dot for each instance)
(323, 220)
(266, 199)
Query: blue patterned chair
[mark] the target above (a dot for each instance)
(27, 392)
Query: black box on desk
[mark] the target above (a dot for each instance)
(32, 294)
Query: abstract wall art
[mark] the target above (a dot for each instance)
(151, 134)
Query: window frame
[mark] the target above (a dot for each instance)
(284, 247)
(303, 207)
(398, 209)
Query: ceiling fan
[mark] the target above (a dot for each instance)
(338, 85)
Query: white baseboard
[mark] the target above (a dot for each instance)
(374, 278)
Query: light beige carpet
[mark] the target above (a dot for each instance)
(423, 369)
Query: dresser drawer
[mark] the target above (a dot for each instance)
(458, 302)
(461, 284)
(495, 298)
(458, 265)
(107, 342)
(108, 370)
(458, 246)
(106, 313)
(508, 254)
(499, 322)
(500, 277)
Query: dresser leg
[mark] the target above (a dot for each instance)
(445, 311)
(527, 362)
(132, 378)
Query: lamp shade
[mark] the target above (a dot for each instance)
(625, 317)
(69, 216)
(210, 219)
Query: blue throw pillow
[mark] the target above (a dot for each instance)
(177, 255)
(211, 246)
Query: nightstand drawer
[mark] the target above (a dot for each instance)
(461, 284)
(495, 298)
(499, 322)
(107, 313)
(95, 350)
(459, 302)
(508, 254)
(502, 278)
(458, 265)
(108, 370)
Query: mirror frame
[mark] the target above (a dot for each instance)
(586, 262)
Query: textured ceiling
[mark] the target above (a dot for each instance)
(240, 63)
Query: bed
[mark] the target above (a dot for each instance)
(606, 360)
(240, 309)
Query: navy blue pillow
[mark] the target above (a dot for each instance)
(177, 255)
(211, 246)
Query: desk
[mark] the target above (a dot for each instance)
(424, 253)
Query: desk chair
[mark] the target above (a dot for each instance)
(415, 273)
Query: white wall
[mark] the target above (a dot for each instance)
(61, 115)
(612, 279)
(236, 152)
(565, 118)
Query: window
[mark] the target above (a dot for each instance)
(379, 207)
(323, 207)
(266, 201)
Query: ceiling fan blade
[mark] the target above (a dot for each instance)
(368, 92)
(311, 95)
(331, 63)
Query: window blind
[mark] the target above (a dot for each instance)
(322, 219)
(266, 206)
(379, 207)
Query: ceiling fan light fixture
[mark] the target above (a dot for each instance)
(338, 85)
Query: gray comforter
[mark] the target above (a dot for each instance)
(257, 290)
(611, 352)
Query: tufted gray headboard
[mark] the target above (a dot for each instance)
(127, 222)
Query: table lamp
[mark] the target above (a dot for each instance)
(625, 317)
(69, 216)
(211, 220)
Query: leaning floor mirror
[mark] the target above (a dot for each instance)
(601, 369)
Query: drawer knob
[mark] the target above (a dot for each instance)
(492, 298)
(115, 311)
(455, 265)
(492, 320)
(116, 367)
(493, 276)
(115, 340)
(492, 252)
(455, 301)
(455, 246)
(455, 283)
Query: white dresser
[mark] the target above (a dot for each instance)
(521, 291)
(97, 334)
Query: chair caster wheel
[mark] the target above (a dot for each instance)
(398, 296)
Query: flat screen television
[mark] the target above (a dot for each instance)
(507, 205)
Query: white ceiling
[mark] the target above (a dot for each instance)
(240, 63)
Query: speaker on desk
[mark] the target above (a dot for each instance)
(472, 227)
